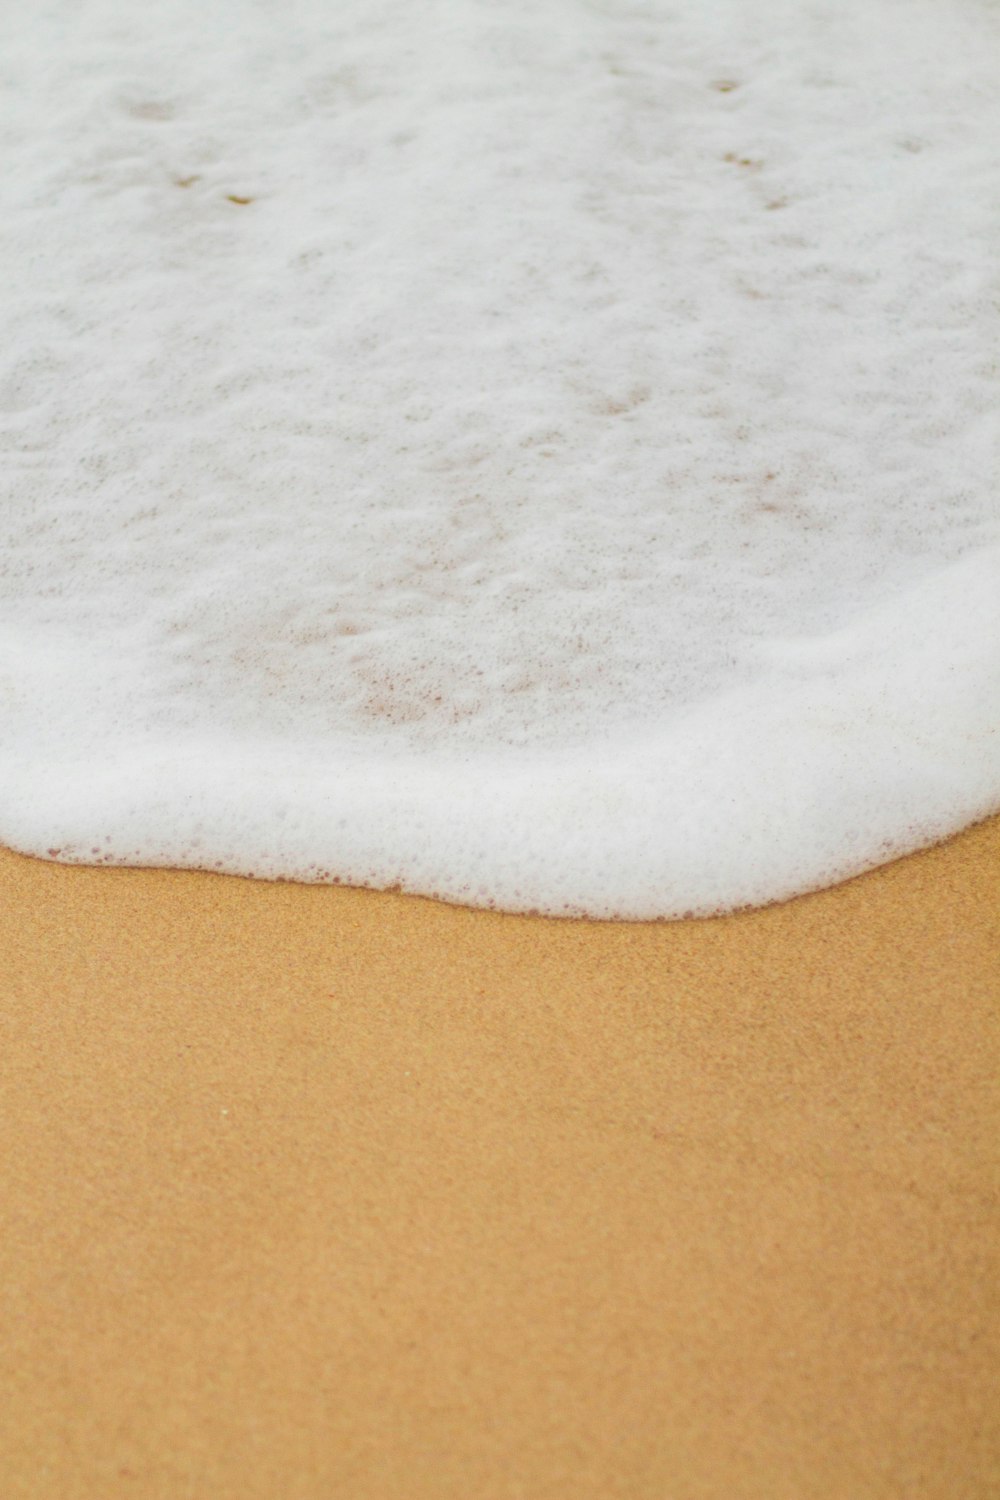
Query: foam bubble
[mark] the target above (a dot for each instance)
(541, 457)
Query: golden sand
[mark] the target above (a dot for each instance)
(316, 1193)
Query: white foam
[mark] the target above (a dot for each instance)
(568, 482)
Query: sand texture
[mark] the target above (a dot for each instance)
(316, 1193)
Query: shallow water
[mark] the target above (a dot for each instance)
(544, 457)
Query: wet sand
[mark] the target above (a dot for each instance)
(315, 1193)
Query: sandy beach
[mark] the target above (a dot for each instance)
(542, 456)
(314, 1192)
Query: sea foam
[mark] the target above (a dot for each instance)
(539, 455)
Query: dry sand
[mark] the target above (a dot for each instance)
(317, 1193)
